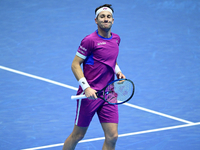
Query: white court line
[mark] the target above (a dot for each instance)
(157, 113)
(73, 88)
(121, 135)
(39, 78)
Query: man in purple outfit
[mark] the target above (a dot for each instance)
(98, 53)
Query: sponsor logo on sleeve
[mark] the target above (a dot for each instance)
(83, 48)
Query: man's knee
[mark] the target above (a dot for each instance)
(112, 139)
(77, 137)
(78, 133)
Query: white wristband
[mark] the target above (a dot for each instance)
(83, 83)
(117, 69)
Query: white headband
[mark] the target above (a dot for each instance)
(103, 9)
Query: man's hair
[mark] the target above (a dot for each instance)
(105, 5)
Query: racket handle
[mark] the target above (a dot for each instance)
(78, 96)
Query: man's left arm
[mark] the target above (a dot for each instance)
(119, 73)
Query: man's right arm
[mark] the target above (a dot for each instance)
(78, 73)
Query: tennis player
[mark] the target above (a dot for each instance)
(98, 53)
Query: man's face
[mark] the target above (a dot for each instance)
(104, 20)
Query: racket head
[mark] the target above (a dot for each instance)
(117, 92)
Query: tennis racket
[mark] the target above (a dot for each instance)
(116, 92)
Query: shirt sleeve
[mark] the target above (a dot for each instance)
(85, 48)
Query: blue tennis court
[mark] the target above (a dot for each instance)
(159, 51)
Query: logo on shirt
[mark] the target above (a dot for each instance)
(83, 48)
(101, 43)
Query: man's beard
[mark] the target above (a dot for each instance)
(106, 27)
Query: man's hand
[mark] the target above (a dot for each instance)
(90, 93)
(120, 75)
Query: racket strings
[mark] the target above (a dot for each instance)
(119, 91)
(123, 90)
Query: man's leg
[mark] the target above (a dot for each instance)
(111, 135)
(76, 135)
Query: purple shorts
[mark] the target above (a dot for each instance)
(87, 108)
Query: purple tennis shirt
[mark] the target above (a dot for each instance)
(100, 56)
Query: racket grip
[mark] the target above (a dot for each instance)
(78, 96)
